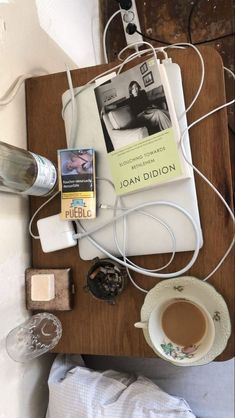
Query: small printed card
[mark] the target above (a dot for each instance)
(77, 183)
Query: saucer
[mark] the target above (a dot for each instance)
(206, 295)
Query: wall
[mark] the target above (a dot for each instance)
(24, 47)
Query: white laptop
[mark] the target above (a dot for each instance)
(144, 234)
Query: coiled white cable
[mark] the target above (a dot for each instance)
(139, 208)
(134, 55)
(202, 73)
(116, 67)
(128, 212)
(163, 223)
(162, 49)
(138, 54)
(123, 252)
(12, 91)
(181, 143)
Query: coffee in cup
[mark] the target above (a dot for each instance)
(183, 323)
(180, 330)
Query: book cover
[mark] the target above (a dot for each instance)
(140, 129)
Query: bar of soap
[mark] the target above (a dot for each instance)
(42, 287)
(63, 290)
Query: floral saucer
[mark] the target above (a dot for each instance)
(207, 296)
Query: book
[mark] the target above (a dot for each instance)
(89, 134)
(140, 128)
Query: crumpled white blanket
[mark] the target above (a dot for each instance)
(79, 392)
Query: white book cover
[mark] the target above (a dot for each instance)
(140, 128)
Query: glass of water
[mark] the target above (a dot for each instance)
(34, 337)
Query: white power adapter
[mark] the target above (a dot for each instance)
(55, 234)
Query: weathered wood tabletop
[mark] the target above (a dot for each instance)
(93, 326)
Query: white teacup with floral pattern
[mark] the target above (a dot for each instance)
(168, 349)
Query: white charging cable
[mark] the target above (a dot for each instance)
(36, 212)
(116, 67)
(87, 85)
(181, 142)
(74, 123)
(126, 212)
(206, 179)
(194, 123)
(202, 73)
(162, 49)
(133, 56)
(123, 251)
(163, 223)
(105, 32)
(138, 53)
(12, 91)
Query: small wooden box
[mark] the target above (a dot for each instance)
(64, 289)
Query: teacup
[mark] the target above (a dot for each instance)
(181, 330)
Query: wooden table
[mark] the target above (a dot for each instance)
(93, 326)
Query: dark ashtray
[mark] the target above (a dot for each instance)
(106, 279)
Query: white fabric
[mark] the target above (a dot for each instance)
(78, 392)
(209, 389)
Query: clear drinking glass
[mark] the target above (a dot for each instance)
(34, 337)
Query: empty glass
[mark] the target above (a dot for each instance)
(34, 337)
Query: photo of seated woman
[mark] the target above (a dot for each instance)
(145, 111)
(129, 111)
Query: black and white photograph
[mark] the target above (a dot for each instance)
(144, 68)
(136, 108)
(148, 79)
